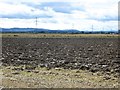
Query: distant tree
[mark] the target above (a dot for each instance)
(82, 32)
(42, 32)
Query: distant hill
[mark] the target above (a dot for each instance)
(41, 30)
(34, 30)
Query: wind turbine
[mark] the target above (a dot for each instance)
(92, 28)
(36, 22)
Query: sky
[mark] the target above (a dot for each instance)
(60, 14)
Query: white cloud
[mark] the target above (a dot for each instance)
(19, 10)
(8, 9)
(100, 13)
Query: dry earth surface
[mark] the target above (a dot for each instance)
(60, 62)
(56, 78)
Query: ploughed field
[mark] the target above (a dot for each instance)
(92, 54)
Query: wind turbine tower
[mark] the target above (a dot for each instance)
(92, 28)
(36, 22)
(73, 26)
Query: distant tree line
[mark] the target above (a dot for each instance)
(32, 30)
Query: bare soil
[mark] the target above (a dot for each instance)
(84, 62)
(56, 78)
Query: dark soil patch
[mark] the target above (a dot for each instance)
(93, 54)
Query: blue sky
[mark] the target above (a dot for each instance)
(60, 14)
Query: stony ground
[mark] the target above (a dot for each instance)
(60, 62)
(93, 54)
(56, 78)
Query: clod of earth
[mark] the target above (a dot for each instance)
(93, 54)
